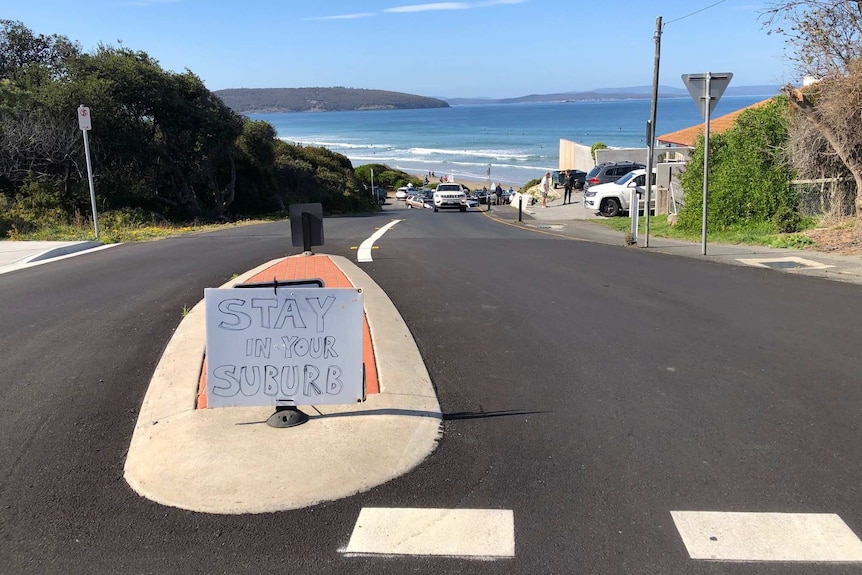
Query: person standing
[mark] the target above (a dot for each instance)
(568, 184)
(499, 193)
(545, 188)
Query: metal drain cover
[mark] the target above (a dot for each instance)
(787, 263)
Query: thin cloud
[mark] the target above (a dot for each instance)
(344, 16)
(489, 3)
(429, 7)
(413, 8)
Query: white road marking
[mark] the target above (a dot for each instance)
(468, 533)
(802, 262)
(363, 254)
(812, 537)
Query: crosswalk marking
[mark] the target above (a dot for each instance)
(814, 537)
(469, 533)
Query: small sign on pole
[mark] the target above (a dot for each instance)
(85, 122)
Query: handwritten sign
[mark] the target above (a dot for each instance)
(290, 347)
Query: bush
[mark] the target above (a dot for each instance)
(597, 146)
(749, 180)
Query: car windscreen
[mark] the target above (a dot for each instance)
(625, 179)
(449, 188)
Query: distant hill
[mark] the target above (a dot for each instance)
(263, 100)
(635, 92)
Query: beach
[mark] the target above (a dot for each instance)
(472, 184)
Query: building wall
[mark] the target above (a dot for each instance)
(575, 156)
(622, 155)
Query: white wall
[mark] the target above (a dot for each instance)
(575, 156)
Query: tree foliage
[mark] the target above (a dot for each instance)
(823, 36)
(749, 180)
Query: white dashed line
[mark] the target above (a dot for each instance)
(484, 534)
(364, 252)
(810, 537)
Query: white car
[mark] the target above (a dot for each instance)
(403, 192)
(450, 195)
(612, 199)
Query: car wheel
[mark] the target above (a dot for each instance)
(410, 206)
(463, 208)
(610, 208)
(435, 208)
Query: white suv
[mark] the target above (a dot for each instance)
(613, 198)
(450, 195)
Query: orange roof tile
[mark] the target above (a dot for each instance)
(688, 136)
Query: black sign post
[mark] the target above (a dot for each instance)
(306, 226)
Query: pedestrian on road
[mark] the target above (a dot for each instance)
(545, 188)
(568, 184)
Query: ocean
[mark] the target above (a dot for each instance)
(518, 142)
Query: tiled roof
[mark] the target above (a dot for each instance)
(688, 136)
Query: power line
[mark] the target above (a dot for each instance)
(696, 12)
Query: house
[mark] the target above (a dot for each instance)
(688, 136)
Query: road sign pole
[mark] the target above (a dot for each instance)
(92, 190)
(706, 89)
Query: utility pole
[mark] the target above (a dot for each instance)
(651, 129)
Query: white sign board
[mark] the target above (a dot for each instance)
(85, 122)
(286, 347)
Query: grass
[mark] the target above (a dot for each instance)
(122, 233)
(760, 234)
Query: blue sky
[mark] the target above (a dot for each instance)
(490, 48)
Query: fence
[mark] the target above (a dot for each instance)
(832, 198)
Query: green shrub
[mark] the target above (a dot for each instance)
(597, 146)
(749, 180)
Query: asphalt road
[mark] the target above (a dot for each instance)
(591, 389)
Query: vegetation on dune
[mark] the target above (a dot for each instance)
(164, 148)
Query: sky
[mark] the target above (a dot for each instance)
(482, 48)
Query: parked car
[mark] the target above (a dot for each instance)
(421, 199)
(402, 192)
(612, 199)
(481, 196)
(559, 178)
(610, 172)
(450, 195)
(471, 202)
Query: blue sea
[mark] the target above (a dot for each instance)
(518, 141)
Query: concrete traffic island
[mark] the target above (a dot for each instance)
(230, 461)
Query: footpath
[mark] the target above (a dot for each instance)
(573, 221)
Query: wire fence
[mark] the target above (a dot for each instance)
(831, 198)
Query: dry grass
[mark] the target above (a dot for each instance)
(844, 239)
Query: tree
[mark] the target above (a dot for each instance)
(826, 39)
(825, 36)
(33, 59)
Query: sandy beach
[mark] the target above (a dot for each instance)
(472, 184)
